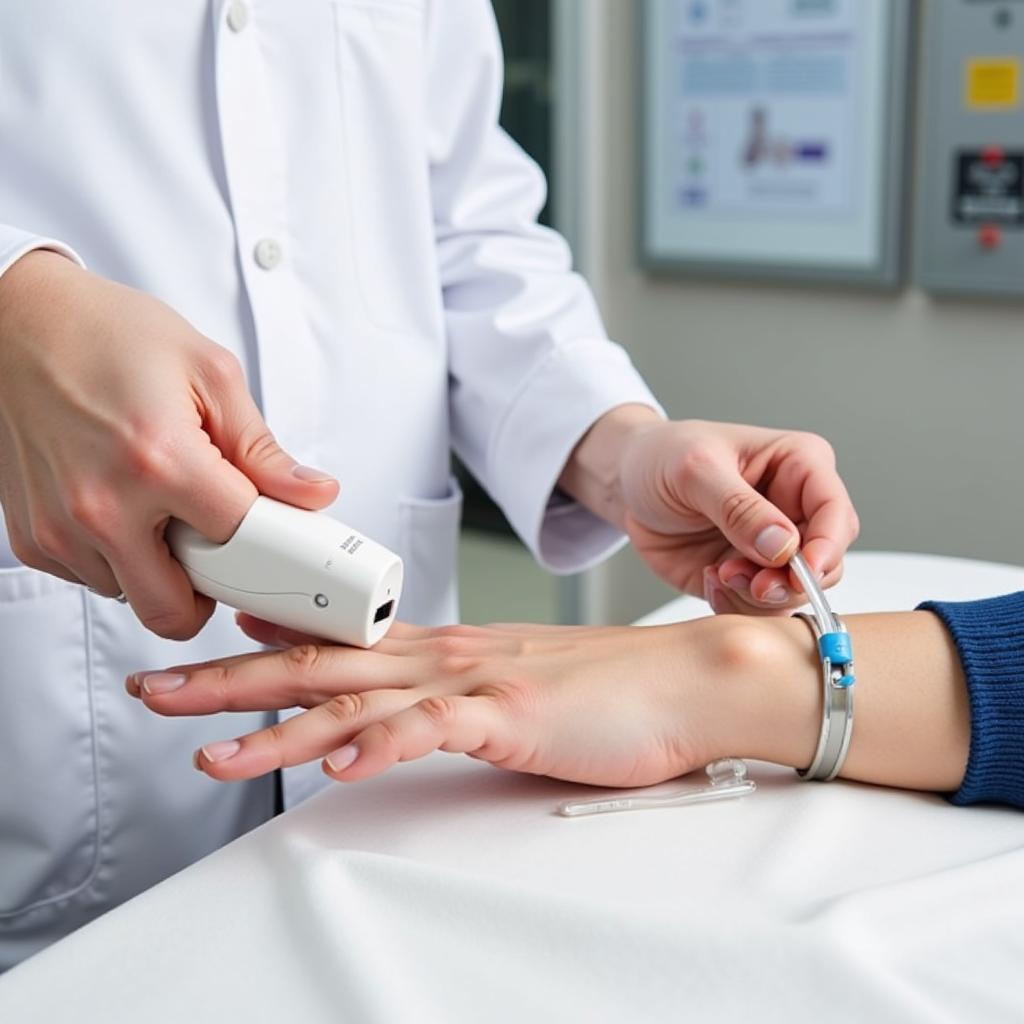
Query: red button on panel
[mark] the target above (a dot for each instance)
(992, 156)
(990, 236)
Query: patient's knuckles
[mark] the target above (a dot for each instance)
(453, 656)
(440, 711)
(303, 661)
(514, 700)
(386, 738)
(448, 644)
(217, 686)
(345, 709)
(271, 745)
(462, 630)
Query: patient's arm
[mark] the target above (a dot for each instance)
(609, 706)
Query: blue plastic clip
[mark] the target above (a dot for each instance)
(836, 647)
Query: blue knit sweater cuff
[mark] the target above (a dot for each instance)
(989, 636)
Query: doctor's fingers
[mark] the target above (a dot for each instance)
(42, 536)
(156, 586)
(307, 736)
(749, 588)
(808, 488)
(302, 676)
(193, 483)
(831, 528)
(85, 567)
(199, 485)
(238, 430)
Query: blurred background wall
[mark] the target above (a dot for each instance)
(918, 395)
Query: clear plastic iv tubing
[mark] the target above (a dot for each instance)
(813, 592)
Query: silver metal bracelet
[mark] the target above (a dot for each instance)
(837, 677)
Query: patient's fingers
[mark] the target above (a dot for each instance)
(300, 739)
(133, 684)
(273, 635)
(535, 628)
(295, 677)
(459, 724)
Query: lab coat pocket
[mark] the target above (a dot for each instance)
(430, 544)
(380, 48)
(48, 779)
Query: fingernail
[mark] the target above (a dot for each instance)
(131, 684)
(773, 541)
(341, 759)
(162, 682)
(776, 595)
(739, 583)
(221, 750)
(310, 475)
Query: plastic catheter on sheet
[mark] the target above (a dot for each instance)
(727, 778)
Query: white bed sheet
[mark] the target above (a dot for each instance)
(449, 891)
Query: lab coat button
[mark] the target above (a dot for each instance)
(238, 16)
(267, 253)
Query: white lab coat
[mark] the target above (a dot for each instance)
(319, 186)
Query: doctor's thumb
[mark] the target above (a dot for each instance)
(277, 475)
(247, 441)
(235, 425)
(749, 521)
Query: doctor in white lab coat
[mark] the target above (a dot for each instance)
(297, 216)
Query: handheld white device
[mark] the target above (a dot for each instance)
(299, 569)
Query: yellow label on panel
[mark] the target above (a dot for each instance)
(993, 83)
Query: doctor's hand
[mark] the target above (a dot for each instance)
(717, 509)
(116, 414)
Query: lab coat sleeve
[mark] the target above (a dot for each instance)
(531, 367)
(15, 243)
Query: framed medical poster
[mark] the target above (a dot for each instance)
(773, 137)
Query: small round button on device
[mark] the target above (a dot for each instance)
(267, 253)
(238, 16)
(321, 601)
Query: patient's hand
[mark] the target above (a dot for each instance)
(610, 706)
(614, 707)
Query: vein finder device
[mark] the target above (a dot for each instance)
(296, 568)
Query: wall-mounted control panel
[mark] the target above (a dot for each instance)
(970, 171)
